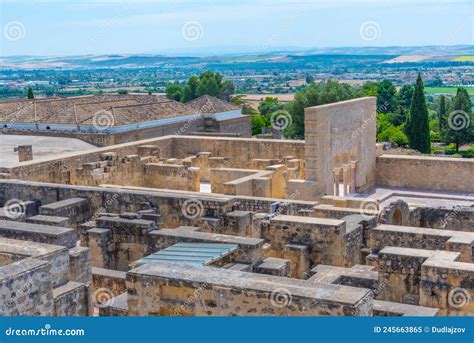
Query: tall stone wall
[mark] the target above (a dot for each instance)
(336, 135)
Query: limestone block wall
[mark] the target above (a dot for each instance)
(241, 126)
(63, 169)
(124, 244)
(240, 151)
(26, 289)
(448, 285)
(112, 280)
(171, 289)
(80, 265)
(455, 219)
(423, 172)
(431, 278)
(220, 176)
(172, 176)
(422, 238)
(72, 299)
(324, 238)
(337, 134)
(116, 200)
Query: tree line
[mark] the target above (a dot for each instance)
(405, 116)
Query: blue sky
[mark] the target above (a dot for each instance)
(49, 27)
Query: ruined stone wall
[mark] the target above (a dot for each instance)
(423, 172)
(456, 219)
(240, 151)
(324, 238)
(32, 280)
(336, 135)
(124, 163)
(432, 278)
(171, 176)
(64, 169)
(241, 126)
(170, 204)
(170, 289)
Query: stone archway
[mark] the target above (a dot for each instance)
(397, 217)
(397, 213)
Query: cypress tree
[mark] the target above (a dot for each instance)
(417, 128)
(30, 93)
(442, 113)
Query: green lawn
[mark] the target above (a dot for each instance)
(446, 90)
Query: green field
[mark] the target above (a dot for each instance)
(464, 59)
(446, 90)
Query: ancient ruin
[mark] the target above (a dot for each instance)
(182, 224)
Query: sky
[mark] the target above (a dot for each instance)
(185, 27)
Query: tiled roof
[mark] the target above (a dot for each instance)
(207, 104)
(125, 109)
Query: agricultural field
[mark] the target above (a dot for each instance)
(446, 90)
(464, 59)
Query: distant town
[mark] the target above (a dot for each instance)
(444, 69)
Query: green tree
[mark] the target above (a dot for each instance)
(393, 134)
(417, 126)
(208, 83)
(309, 79)
(258, 122)
(174, 92)
(208, 86)
(246, 109)
(193, 83)
(459, 122)
(30, 93)
(386, 97)
(237, 100)
(442, 113)
(315, 94)
(269, 105)
(187, 94)
(404, 96)
(370, 88)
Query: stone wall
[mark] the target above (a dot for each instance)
(337, 135)
(171, 289)
(171, 176)
(325, 239)
(423, 172)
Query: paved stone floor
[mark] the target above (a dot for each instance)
(432, 198)
(42, 147)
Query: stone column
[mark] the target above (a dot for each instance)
(345, 176)
(337, 172)
(353, 177)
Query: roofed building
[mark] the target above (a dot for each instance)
(112, 119)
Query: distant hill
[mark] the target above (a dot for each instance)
(343, 55)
